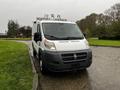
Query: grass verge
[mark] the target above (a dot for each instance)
(96, 42)
(15, 39)
(15, 66)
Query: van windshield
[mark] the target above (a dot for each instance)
(61, 31)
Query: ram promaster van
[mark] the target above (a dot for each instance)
(60, 45)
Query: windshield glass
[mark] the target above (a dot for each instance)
(61, 31)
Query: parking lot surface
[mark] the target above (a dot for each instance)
(104, 74)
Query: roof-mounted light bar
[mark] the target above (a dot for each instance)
(51, 17)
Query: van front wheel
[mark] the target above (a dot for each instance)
(42, 68)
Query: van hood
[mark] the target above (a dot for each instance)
(71, 45)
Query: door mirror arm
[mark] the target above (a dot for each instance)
(37, 37)
(84, 34)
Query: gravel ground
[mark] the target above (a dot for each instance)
(104, 74)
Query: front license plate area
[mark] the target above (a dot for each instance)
(76, 65)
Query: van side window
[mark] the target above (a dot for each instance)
(38, 28)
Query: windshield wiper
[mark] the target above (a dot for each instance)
(52, 36)
(69, 38)
(63, 38)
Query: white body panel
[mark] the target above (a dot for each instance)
(61, 45)
(70, 45)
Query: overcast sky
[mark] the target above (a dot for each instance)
(25, 11)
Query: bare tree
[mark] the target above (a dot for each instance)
(114, 12)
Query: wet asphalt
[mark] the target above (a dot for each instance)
(103, 74)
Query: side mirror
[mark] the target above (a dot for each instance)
(84, 34)
(37, 37)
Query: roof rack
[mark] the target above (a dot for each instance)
(51, 17)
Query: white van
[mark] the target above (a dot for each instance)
(60, 45)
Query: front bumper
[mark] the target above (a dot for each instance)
(67, 60)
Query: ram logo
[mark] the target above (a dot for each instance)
(75, 56)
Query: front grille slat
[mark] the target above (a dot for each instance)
(74, 57)
(73, 61)
(70, 58)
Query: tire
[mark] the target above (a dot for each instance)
(43, 70)
(42, 67)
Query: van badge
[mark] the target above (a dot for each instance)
(75, 56)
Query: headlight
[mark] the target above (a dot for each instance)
(87, 44)
(49, 45)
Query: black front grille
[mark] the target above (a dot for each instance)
(74, 57)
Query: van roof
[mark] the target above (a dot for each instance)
(53, 21)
